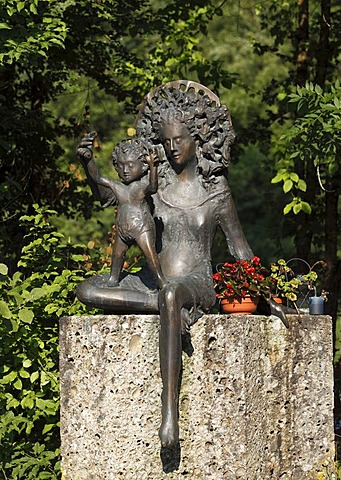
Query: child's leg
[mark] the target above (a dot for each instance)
(118, 252)
(146, 241)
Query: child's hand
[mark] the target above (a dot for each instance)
(152, 158)
(85, 148)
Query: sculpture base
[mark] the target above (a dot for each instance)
(256, 399)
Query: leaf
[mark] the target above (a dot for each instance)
(15, 325)
(3, 269)
(27, 402)
(77, 258)
(26, 315)
(50, 308)
(37, 293)
(33, 9)
(17, 384)
(306, 207)
(278, 178)
(287, 208)
(24, 373)
(301, 185)
(288, 184)
(40, 403)
(48, 427)
(44, 379)
(4, 310)
(294, 177)
(297, 208)
(13, 403)
(34, 376)
(333, 167)
(9, 377)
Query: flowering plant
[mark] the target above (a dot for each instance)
(242, 278)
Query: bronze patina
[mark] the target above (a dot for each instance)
(190, 133)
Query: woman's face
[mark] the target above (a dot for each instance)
(179, 144)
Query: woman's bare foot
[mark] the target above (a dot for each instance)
(169, 432)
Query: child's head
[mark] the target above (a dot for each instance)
(129, 159)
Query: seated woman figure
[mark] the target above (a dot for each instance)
(192, 199)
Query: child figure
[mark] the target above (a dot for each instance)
(134, 222)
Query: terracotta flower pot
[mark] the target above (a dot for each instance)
(240, 306)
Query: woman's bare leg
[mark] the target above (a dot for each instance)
(171, 300)
(95, 292)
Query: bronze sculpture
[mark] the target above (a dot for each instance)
(192, 199)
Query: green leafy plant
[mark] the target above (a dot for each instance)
(32, 301)
(284, 282)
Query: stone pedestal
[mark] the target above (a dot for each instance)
(256, 399)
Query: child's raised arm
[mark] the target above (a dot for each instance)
(101, 187)
(152, 161)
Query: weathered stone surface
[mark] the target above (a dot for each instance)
(255, 404)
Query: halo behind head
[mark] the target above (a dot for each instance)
(200, 110)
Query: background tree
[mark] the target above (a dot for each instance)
(307, 147)
(297, 128)
(50, 47)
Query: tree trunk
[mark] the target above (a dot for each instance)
(332, 279)
(302, 42)
(305, 226)
(303, 236)
(323, 52)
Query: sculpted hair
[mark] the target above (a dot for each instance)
(208, 123)
(135, 146)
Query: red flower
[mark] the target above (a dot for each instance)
(217, 276)
(255, 260)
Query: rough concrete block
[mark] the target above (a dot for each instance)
(256, 399)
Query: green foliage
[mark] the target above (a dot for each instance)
(52, 47)
(31, 29)
(313, 137)
(286, 283)
(32, 301)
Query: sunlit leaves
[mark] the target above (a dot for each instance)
(31, 303)
(314, 137)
